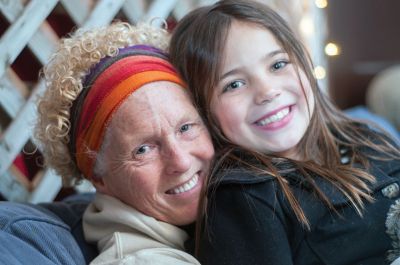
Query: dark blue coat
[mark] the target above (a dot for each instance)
(250, 222)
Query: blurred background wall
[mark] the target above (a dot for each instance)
(368, 32)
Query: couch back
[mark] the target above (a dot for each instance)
(48, 233)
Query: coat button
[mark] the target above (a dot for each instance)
(391, 190)
(344, 160)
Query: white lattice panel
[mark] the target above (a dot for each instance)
(28, 28)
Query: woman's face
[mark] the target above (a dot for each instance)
(259, 102)
(157, 154)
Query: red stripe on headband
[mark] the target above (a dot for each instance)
(112, 76)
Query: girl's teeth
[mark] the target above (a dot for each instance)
(185, 187)
(274, 118)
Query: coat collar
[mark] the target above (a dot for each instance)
(381, 170)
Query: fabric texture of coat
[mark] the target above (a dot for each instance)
(250, 222)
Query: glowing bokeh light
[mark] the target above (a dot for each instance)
(307, 26)
(319, 72)
(332, 49)
(321, 3)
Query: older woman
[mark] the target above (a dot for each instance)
(116, 113)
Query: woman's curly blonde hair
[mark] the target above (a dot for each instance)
(63, 76)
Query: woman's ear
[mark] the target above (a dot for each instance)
(100, 185)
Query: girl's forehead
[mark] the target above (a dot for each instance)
(244, 28)
(245, 39)
(280, 35)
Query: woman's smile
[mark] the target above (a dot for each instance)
(186, 186)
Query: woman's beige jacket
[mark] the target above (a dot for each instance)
(126, 236)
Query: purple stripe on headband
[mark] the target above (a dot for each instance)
(143, 47)
(121, 51)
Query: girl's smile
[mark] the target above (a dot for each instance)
(260, 100)
(276, 119)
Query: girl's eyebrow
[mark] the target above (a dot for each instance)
(273, 53)
(235, 70)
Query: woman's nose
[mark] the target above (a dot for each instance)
(177, 159)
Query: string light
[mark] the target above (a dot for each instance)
(321, 3)
(332, 49)
(319, 72)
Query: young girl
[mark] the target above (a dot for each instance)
(295, 181)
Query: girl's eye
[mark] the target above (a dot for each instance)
(279, 65)
(234, 85)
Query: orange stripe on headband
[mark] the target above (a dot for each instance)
(115, 74)
(90, 136)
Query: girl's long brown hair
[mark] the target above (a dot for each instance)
(196, 49)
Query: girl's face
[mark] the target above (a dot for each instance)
(259, 102)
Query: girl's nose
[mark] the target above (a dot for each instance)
(266, 93)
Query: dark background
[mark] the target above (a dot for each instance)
(368, 32)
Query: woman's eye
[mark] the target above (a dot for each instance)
(278, 65)
(142, 150)
(185, 128)
(233, 85)
(145, 153)
(190, 131)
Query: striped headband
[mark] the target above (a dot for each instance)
(105, 88)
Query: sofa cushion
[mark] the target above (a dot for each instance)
(15, 251)
(44, 234)
(70, 211)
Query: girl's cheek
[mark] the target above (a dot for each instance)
(230, 117)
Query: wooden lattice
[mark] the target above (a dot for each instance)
(29, 28)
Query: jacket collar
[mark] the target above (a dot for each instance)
(381, 170)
